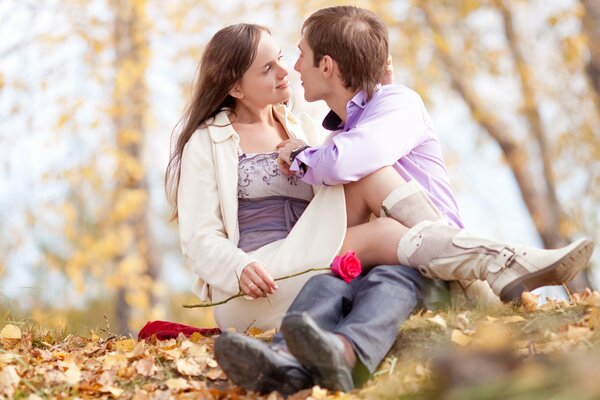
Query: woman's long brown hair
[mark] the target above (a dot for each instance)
(226, 58)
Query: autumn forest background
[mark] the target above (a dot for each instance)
(90, 92)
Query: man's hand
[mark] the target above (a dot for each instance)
(285, 149)
(256, 282)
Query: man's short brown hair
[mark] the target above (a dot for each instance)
(355, 38)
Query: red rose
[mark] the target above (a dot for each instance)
(347, 266)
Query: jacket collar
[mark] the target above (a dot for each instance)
(220, 129)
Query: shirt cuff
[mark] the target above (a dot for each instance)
(298, 167)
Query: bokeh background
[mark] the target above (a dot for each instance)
(90, 92)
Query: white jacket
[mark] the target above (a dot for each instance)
(208, 226)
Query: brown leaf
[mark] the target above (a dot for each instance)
(9, 379)
(529, 301)
(145, 366)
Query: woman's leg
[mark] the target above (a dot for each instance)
(444, 252)
(375, 242)
(366, 196)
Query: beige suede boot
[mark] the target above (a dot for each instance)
(443, 252)
(409, 205)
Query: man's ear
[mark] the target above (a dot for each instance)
(327, 66)
(236, 92)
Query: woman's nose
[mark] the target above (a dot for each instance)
(283, 72)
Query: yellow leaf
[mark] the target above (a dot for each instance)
(125, 345)
(318, 393)
(177, 384)
(11, 332)
(254, 331)
(196, 337)
(530, 301)
(460, 338)
(494, 336)
(438, 320)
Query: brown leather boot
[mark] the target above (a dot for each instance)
(448, 253)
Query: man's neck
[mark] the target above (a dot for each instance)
(338, 100)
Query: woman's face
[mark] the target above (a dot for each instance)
(266, 81)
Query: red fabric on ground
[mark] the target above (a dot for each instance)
(169, 330)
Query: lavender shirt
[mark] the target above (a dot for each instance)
(392, 128)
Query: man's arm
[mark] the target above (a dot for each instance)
(396, 122)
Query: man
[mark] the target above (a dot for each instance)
(343, 57)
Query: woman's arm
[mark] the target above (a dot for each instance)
(204, 240)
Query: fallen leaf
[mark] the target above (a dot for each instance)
(529, 301)
(216, 374)
(145, 366)
(460, 338)
(254, 331)
(9, 379)
(438, 320)
(579, 333)
(177, 384)
(318, 393)
(11, 332)
(188, 366)
(494, 337)
(72, 371)
(125, 345)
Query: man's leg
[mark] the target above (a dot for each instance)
(383, 299)
(326, 298)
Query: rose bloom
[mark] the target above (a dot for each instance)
(346, 266)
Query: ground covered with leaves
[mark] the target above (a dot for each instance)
(518, 352)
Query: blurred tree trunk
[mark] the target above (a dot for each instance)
(136, 266)
(591, 27)
(538, 193)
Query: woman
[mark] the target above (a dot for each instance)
(239, 217)
(244, 222)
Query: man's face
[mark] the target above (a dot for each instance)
(311, 77)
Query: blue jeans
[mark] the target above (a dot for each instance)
(368, 311)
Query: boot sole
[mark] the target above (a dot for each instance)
(249, 367)
(306, 342)
(558, 273)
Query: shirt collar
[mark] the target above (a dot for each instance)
(333, 121)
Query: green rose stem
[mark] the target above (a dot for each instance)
(240, 293)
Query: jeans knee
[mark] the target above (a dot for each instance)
(394, 275)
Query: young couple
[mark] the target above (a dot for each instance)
(259, 196)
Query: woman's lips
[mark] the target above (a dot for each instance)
(283, 85)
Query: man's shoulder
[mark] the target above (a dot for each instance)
(395, 91)
(395, 97)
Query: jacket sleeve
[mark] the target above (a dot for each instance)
(208, 250)
(394, 124)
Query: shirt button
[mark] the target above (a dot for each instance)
(362, 102)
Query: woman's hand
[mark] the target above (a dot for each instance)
(256, 282)
(388, 76)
